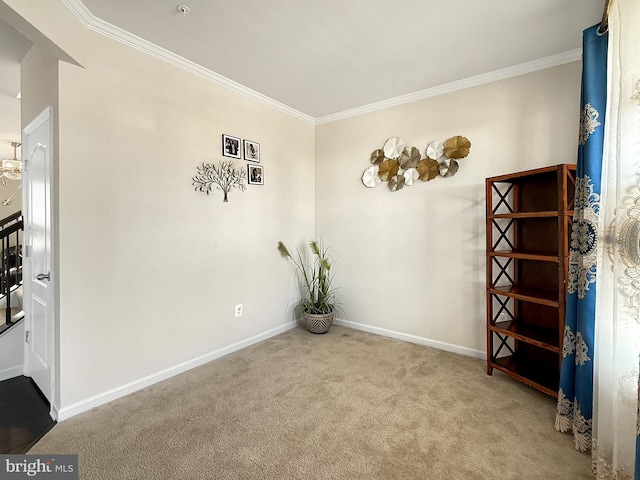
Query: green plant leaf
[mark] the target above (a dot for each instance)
(314, 248)
(283, 250)
(324, 263)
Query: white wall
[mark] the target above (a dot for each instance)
(413, 261)
(11, 349)
(9, 125)
(9, 132)
(150, 270)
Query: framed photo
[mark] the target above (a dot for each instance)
(251, 150)
(255, 174)
(231, 146)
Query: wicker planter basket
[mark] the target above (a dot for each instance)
(318, 323)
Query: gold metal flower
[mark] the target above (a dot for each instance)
(457, 147)
(388, 169)
(428, 169)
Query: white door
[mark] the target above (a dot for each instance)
(37, 176)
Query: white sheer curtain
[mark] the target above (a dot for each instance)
(617, 342)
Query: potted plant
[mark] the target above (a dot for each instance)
(318, 298)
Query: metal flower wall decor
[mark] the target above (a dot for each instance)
(224, 177)
(400, 165)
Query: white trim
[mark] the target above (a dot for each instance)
(509, 72)
(107, 29)
(11, 372)
(405, 337)
(46, 114)
(69, 411)
(54, 411)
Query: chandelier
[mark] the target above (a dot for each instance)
(12, 167)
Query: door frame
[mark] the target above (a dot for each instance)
(52, 317)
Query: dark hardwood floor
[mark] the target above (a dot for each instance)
(24, 415)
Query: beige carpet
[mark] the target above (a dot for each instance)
(345, 405)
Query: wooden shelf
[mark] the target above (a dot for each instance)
(552, 214)
(526, 175)
(528, 371)
(543, 257)
(543, 297)
(541, 337)
(527, 255)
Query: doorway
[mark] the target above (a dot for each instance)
(39, 300)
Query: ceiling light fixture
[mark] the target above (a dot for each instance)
(184, 10)
(12, 167)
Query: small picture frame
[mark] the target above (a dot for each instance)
(251, 151)
(231, 147)
(255, 174)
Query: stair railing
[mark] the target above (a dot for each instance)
(11, 229)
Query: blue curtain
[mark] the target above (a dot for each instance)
(575, 395)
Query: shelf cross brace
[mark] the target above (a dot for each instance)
(503, 343)
(571, 199)
(503, 308)
(503, 234)
(503, 271)
(503, 198)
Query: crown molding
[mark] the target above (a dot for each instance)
(107, 29)
(516, 70)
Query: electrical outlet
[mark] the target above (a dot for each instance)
(239, 310)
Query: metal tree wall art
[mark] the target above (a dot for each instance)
(224, 176)
(400, 165)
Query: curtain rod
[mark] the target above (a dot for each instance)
(604, 24)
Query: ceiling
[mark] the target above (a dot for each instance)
(13, 48)
(324, 57)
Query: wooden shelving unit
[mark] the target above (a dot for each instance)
(528, 230)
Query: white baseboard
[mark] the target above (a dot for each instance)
(54, 411)
(448, 347)
(74, 409)
(69, 411)
(11, 372)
